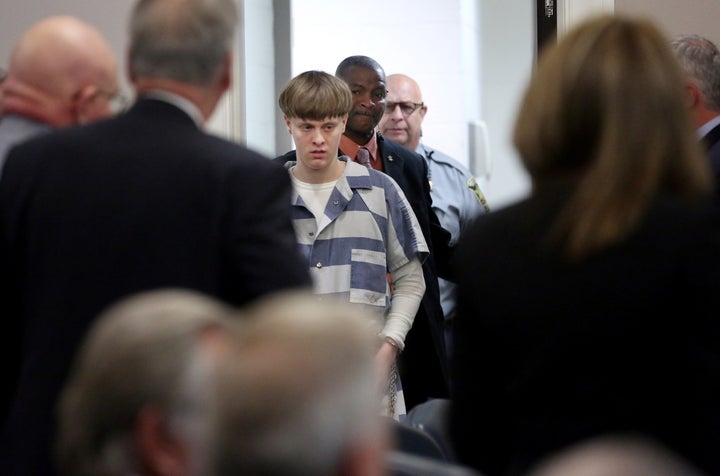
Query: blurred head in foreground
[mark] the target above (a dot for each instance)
(300, 396)
(138, 399)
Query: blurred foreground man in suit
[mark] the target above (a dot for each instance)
(141, 201)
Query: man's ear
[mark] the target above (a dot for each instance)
(128, 69)
(226, 75)
(693, 95)
(159, 452)
(82, 101)
(287, 123)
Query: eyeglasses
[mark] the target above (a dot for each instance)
(117, 102)
(406, 108)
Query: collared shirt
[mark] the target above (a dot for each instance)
(350, 148)
(178, 101)
(368, 228)
(707, 127)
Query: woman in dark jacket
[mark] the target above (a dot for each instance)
(592, 306)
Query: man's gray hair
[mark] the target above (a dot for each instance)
(301, 392)
(700, 60)
(181, 40)
(145, 350)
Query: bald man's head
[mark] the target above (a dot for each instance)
(57, 62)
(404, 111)
(620, 455)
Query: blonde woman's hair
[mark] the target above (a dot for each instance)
(605, 112)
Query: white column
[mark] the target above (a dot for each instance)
(571, 12)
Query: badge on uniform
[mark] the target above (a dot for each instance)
(473, 185)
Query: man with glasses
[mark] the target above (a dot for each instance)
(456, 196)
(62, 72)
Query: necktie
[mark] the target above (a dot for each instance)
(363, 157)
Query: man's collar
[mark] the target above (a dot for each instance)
(178, 101)
(350, 148)
(708, 126)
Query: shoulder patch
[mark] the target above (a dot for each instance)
(475, 188)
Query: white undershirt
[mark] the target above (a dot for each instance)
(315, 195)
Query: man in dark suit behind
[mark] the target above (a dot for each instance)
(144, 200)
(700, 60)
(423, 362)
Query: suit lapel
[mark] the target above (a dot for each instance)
(392, 164)
(712, 137)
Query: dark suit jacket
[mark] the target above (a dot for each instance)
(423, 364)
(145, 200)
(548, 352)
(712, 144)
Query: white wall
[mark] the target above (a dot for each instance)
(507, 47)
(676, 17)
(257, 71)
(442, 46)
(421, 38)
(571, 12)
